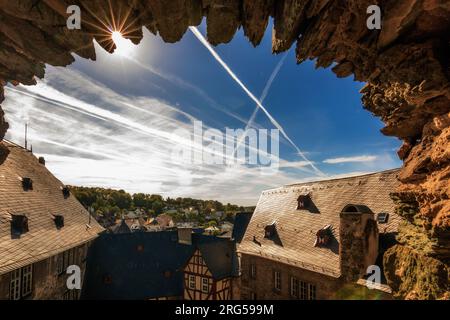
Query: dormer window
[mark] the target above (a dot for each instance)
(270, 230)
(59, 221)
(303, 201)
(19, 224)
(66, 192)
(27, 184)
(382, 217)
(323, 236)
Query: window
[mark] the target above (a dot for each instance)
(311, 292)
(294, 287)
(14, 288)
(253, 271)
(205, 285)
(382, 217)
(27, 280)
(323, 236)
(70, 295)
(59, 221)
(65, 259)
(191, 282)
(307, 291)
(303, 202)
(277, 280)
(27, 184)
(303, 290)
(21, 284)
(270, 230)
(19, 224)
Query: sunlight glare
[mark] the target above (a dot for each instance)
(124, 46)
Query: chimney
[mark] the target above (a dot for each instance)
(185, 236)
(358, 247)
(42, 160)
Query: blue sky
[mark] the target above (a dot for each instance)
(108, 123)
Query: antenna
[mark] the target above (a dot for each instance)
(26, 135)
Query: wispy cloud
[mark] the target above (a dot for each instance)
(216, 56)
(363, 158)
(91, 135)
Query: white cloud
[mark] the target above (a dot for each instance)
(93, 136)
(364, 158)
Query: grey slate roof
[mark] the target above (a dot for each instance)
(43, 239)
(296, 229)
(150, 264)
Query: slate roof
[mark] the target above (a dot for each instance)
(150, 264)
(296, 229)
(43, 239)
(241, 222)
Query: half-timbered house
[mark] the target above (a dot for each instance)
(209, 272)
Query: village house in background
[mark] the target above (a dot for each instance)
(308, 241)
(43, 229)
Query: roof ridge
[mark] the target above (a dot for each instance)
(309, 183)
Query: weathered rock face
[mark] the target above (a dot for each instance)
(405, 65)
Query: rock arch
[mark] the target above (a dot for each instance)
(406, 65)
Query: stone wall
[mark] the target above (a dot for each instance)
(263, 284)
(405, 65)
(47, 284)
(358, 248)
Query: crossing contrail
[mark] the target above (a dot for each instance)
(262, 98)
(216, 56)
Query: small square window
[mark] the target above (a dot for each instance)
(382, 217)
(205, 285)
(191, 281)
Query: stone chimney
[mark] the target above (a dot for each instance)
(185, 235)
(358, 247)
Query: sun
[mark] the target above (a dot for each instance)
(124, 46)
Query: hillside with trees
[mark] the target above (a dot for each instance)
(110, 205)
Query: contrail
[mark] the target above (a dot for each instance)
(208, 46)
(262, 98)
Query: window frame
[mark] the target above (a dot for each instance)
(21, 282)
(277, 280)
(205, 285)
(303, 290)
(312, 290)
(191, 281)
(15, 284)
(27, 280)
(294, 287)
(253, 271)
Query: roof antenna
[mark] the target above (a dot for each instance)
(26, 135)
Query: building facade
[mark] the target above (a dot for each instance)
(43, 230)
(309, 241)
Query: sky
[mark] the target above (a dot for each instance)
(126, 120)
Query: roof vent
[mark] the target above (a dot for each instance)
(382, 217)
(27, 184)
(59, 221)
(42, 160)
(303, 201)
(66, 192)
(270, 230)
(323, 236)
(19, 224)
